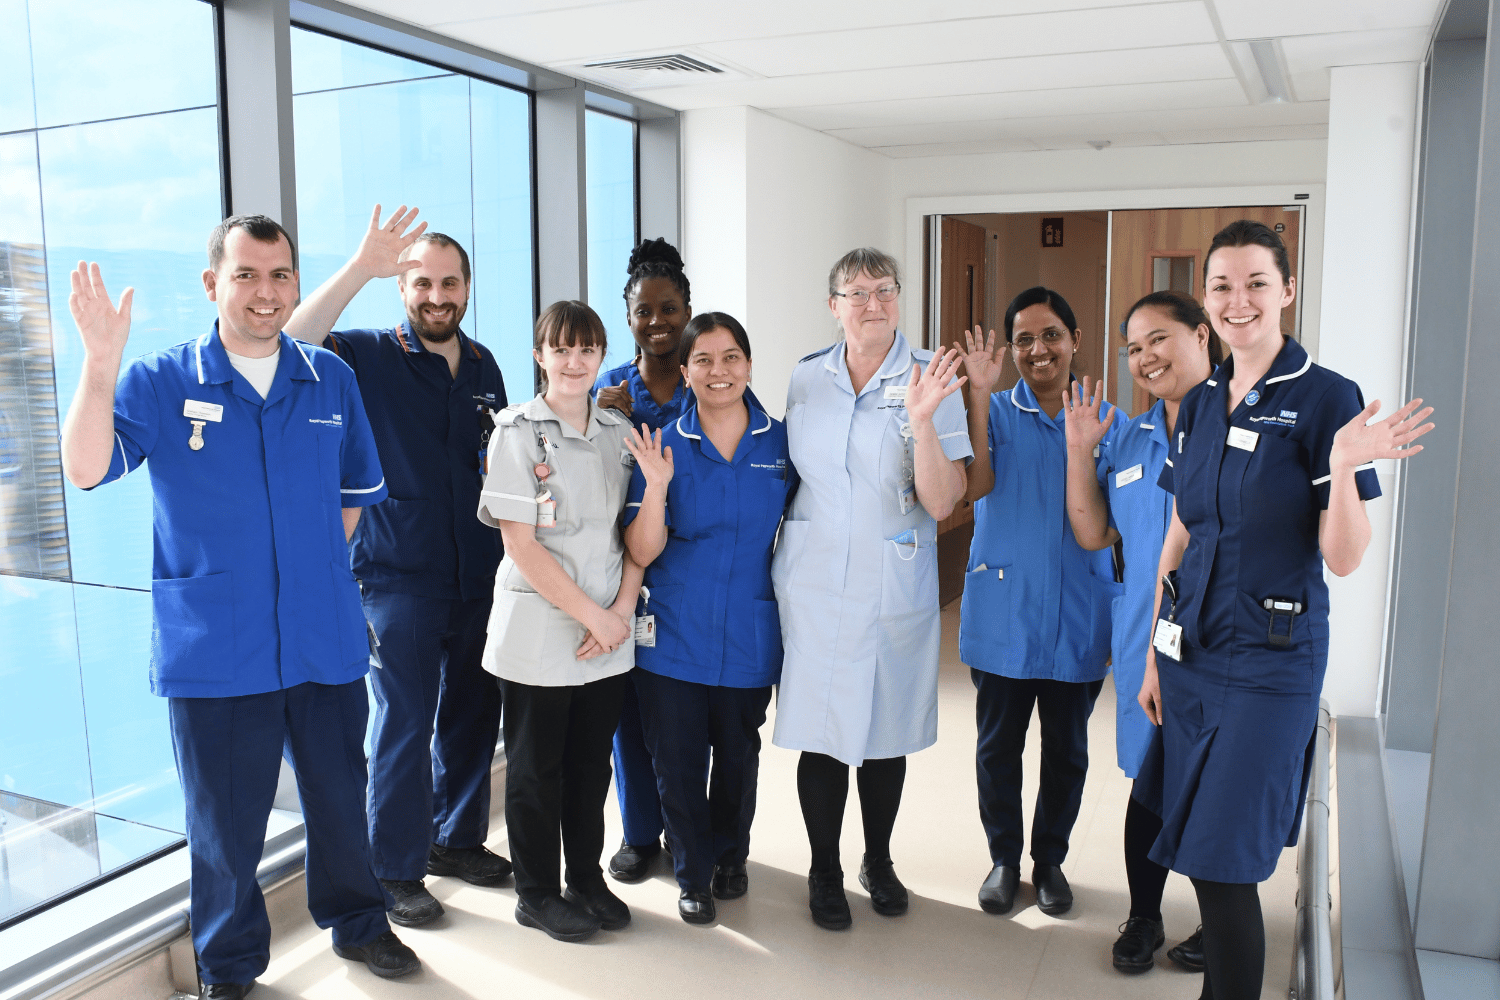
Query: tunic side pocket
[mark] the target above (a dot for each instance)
(984, 616)
(517, 632)
(192, 635)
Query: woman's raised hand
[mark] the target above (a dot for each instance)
(1082, 425)
(980, 360)
(1358, 442)
(927, 389)
(654, 460)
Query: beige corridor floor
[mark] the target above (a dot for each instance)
(766, 946)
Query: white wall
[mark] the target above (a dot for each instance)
(769, 206)
(1371, 139)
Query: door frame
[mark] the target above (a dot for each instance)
(1309, 296)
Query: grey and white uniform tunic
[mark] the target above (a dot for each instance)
(531, 641)
(855, 576)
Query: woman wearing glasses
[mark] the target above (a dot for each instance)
(1034, 626)
(876, 431)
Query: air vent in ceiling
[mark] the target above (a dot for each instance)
(675, 62)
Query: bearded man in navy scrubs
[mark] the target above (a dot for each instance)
(260, 461)
(425, 562)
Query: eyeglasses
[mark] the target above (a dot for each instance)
(859, 296)
(1049, 337)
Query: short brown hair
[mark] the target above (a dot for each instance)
(261, 227)
(569, 322)
(442, 240)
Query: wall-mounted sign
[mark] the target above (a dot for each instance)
(1052, 231)
(1281, 227)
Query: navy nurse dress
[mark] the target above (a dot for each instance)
(1239, 710)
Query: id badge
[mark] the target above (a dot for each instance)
(1168, 639)
(906, 497)
(546, 510)
(645, 630)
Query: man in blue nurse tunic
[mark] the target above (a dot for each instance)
(260, 459)
(426, 565)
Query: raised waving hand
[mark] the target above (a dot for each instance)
(929, 388)
(103, 327)
(1082, 425)
(981, 361)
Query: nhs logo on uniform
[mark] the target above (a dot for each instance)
(1289, 414)
(337, 420)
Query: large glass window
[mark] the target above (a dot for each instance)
(376, 128)
(611, 208)
(109, 151)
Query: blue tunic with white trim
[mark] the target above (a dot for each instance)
(644, 409)
(251, 589)
(1239, 710)
(855, 577)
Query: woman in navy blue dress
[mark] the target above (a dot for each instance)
(1270, 464)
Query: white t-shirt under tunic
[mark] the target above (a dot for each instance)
(259, 372)
(531, 641)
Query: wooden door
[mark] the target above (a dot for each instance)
(1141, 237)
(963, 303)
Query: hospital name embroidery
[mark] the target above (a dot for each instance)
(780, 464)
(1287, 418)
(337, 421)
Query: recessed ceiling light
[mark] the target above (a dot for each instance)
(1263, 72)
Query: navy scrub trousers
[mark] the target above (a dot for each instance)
(430, 653)
(229, 754)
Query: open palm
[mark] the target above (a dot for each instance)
(103, 326)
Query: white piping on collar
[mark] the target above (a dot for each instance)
(683, 431)
(198, 350)
(1282, 378)
(1017, 405)
(767, 427)
(317, 379)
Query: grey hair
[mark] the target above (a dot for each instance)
(867, 260)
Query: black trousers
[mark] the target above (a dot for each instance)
(1003, 712)
(557, 744)
(681, 722)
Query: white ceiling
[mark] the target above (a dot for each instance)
(929, 77)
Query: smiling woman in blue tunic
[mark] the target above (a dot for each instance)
(1113, 497)
(1271, 463)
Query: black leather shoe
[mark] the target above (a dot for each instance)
(475, 865)
(225, 991)
(1053, 894)
(730, 881)
(826, 899)
(414, 905)
(696, 908)
(632, 862)
(998, 893)
(385, 956)
(1135, 948)
(610, 910)
(1189, 954)
(557, 918)
(887, 895)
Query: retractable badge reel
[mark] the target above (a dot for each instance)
(1168, 638)
(645, 623)
(906, 490)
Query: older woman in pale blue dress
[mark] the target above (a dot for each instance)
(878, 436)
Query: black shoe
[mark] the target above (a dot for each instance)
(696, 907)
(730, 881)
(1189, 954)
(826, 899)
(385, 956)
(1135, 948)
(632, 862)
(225, 991)
(998, 893)
(475, 865)
(414, 905)
(1053, 894)
(887, 894)
(558, 918)
(610, 910)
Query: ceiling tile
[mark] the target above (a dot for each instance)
(1283, 18)
(1252, 133)
(1352, 48)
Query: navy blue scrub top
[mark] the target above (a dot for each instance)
(424, 539)
(1040, 606)
(644, 408)
(1252, 516)
(716, 619)
(251, 590)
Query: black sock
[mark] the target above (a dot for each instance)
(1234, 939)
(823, 788)
(880, 784)
(1148, 880)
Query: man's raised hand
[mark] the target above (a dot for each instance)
(378, 253)
(103, 326)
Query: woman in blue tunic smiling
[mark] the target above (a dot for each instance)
(1271, 463)
(1113, 497)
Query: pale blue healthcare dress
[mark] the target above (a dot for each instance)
(855, 577)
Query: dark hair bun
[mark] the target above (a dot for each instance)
(651, 251)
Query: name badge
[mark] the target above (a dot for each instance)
(1127, 477)
(1168, 639)
(1242, 439)
(645, 630)
(195, 410)
(896, 391)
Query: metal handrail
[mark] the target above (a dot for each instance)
(1312, 954)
